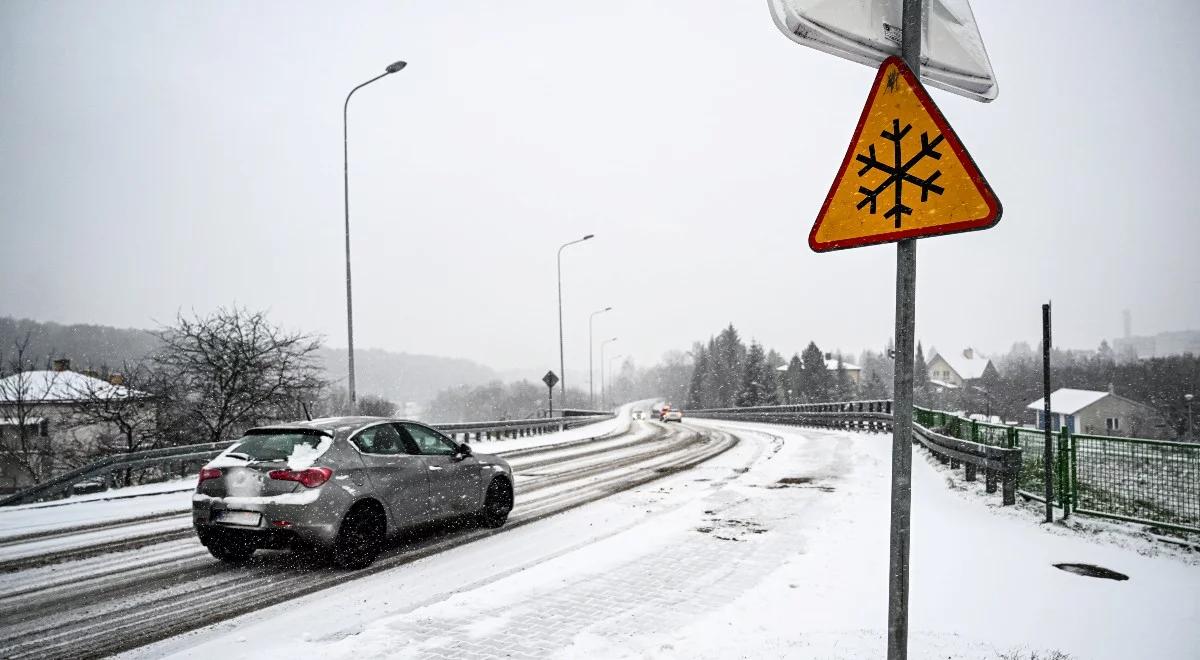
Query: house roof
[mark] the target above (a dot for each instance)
(830, 365)
(967, 368)
(1066, 401)
(60, 387)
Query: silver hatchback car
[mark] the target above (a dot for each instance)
(342, 486)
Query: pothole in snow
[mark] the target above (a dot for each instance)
(1091, 570)
(795, 480)
(731, 529)
(799, 482)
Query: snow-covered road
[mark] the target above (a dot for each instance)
(120, 598)
(724, 560)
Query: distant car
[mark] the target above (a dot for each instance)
(672, 415)
(342, 486)
(639, 414)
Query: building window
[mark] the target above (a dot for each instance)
(1112, 423)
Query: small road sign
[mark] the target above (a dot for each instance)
(906, 174)
(953, 57)
(550, 379)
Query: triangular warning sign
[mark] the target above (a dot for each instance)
(906, 174)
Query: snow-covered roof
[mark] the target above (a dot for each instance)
(1066, 401)
(29, 421)
(943, 384)
(60, 387)
(967, 368)
(830, 365)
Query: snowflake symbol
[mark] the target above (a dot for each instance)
(898, 172)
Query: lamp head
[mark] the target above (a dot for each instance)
(396, 66)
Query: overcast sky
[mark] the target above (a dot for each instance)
(168, 155)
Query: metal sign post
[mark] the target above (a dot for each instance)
(905, 176)
(1048, 450)
(550, 379)
(906, 318)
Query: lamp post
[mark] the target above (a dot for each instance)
(562, 369)
(591, 348)
(610, 370)
(391, 68)
(1191, 434)
(602, 345)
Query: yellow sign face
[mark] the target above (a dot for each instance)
(906, 174)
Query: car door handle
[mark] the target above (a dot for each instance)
(436, 467)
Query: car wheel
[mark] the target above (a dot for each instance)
(496, 504)
(360, 538)
(230, 551)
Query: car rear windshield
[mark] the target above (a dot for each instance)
(278, 446)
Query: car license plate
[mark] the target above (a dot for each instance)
(247, 518)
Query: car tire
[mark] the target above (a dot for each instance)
(360, 538)
(230, 551)
(497, 504)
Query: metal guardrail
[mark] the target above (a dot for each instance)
(198, 454)
(515, 428)
(998, 463)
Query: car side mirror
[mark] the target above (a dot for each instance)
(464, 450)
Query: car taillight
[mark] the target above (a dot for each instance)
(208, 473)
(310, 478)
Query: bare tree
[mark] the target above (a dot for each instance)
(123, 404)
(237, 370)
(24, 394)
(373, 405)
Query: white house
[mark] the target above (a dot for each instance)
(46, 405)
(1096, 413)
(955, 370)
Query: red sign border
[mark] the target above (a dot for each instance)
(995, 210)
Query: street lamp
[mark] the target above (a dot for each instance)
(591, 347)
(1188, 397)
(610, 361)
(562, 376)
(391, 68)
(602, 345)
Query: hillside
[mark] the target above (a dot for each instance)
(397, 376)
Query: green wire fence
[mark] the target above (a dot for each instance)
(1155, 482)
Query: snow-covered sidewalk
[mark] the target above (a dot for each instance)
(729, 561)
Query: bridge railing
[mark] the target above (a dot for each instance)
(998, 463)
(185, 459)
(1151, 482)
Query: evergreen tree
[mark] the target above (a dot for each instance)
(792, 379)
(920, 369)
(843, 389)
(816, 383)
(757, 382)
(695, 395)
(730, 354)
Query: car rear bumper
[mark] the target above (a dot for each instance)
(278, 523)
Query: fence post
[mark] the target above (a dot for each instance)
(1010, 486)
(1063, 472)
